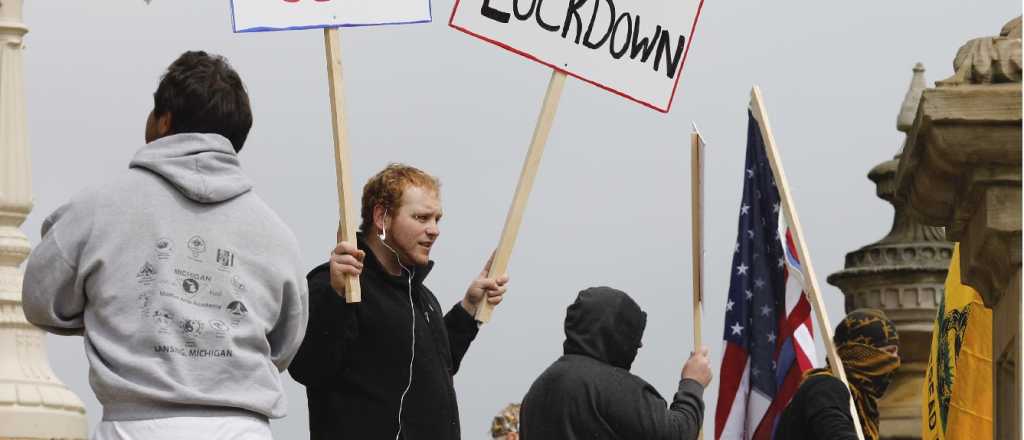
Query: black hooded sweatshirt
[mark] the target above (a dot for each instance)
(820, 410)
(589, 392)
(355, 358)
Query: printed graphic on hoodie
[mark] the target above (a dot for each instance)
(173, 267)
(190, 304)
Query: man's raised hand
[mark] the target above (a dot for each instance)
(346, 260)
(698, 367)
(493, 288)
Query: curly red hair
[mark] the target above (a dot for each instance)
(385, 189)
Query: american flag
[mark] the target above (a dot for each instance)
(768, 338)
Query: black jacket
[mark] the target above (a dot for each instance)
(820, 410)
(355, 358)
(589, 392)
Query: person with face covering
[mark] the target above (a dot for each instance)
(589, 392)
(867, 343)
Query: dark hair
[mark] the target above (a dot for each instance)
(204, 94)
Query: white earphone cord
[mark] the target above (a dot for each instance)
(412, 348)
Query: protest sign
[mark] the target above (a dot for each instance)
(282, 15)
(635, 49)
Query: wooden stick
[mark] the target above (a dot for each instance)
(697, 226)
(347, 226)
(811, 281)
(697, 223)
(499, 265)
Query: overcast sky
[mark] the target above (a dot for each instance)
(611, 203)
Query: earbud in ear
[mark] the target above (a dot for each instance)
(384, 229)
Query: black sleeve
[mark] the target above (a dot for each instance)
(333, 326)
(828, 410)
(640, 412)
(462, 329)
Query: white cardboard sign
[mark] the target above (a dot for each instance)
(634, 48)
(283, 15)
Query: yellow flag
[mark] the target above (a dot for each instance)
(957, 400)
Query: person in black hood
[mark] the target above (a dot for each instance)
(589, 392)
(383, 368)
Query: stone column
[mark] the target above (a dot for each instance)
(902, 274)
(33, 402)
(961, 169)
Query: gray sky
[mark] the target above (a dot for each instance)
(611, 203)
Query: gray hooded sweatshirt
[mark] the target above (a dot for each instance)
(186, 286)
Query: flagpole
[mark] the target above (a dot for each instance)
(697, 226)
(811, 281)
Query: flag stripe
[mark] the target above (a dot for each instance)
(790, 384)
(734, 364)
(767, 331)
(734, 425)
(757, 406)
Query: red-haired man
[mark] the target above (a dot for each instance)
(383, 368)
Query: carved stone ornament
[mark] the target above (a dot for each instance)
(961, 168)
(989, 60)
(902, 274)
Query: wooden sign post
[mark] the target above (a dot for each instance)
(284, 15)
(757, 108)
(697, 226)
(592, 42)
(515, 212)
(346, 214)
(697, 240)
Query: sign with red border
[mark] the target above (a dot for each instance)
(635, 48)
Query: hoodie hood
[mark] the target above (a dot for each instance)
(604, 324)
(202, 166)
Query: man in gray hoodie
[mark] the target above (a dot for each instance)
(186, 287)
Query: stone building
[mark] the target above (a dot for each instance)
(961, 169)
(902, 274)
(34, 404)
